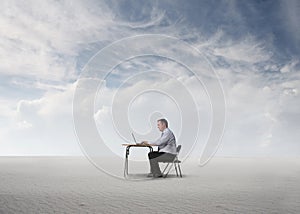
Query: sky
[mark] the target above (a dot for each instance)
(47, 47)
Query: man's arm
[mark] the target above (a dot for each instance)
(162, 140)
(146, 143)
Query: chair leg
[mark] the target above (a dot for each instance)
(168, 171)
(165, 168)
(179, 170)
(176, 165)
(176, 169)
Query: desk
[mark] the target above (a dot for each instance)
(128, 146)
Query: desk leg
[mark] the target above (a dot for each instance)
(151, 149)
(126, 162)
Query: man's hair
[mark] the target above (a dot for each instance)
(164, 121)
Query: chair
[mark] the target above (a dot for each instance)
(175, 162)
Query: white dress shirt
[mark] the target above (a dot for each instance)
(167, 142)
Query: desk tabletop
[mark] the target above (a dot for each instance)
(137, 145)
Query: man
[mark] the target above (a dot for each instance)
(166, 148)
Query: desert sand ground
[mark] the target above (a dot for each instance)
(224, 185)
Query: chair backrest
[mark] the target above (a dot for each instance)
(178, 149)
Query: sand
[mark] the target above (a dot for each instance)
(224, 185)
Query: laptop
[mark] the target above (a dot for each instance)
(134, 139)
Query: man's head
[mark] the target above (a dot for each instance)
(162, 124)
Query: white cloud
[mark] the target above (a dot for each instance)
(247, 50)
(24, 124)
(290, 67)
(41, 127)
(43, 38)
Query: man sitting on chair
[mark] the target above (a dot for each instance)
(166, 148)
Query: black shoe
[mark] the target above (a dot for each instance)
(157, 175)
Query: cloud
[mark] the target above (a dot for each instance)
(45, 42)
(260, 112)
(41, 126)
(247, 50)
(291, 66)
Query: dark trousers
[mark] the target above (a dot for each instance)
(155, 157)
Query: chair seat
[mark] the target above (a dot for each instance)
(176, 161)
